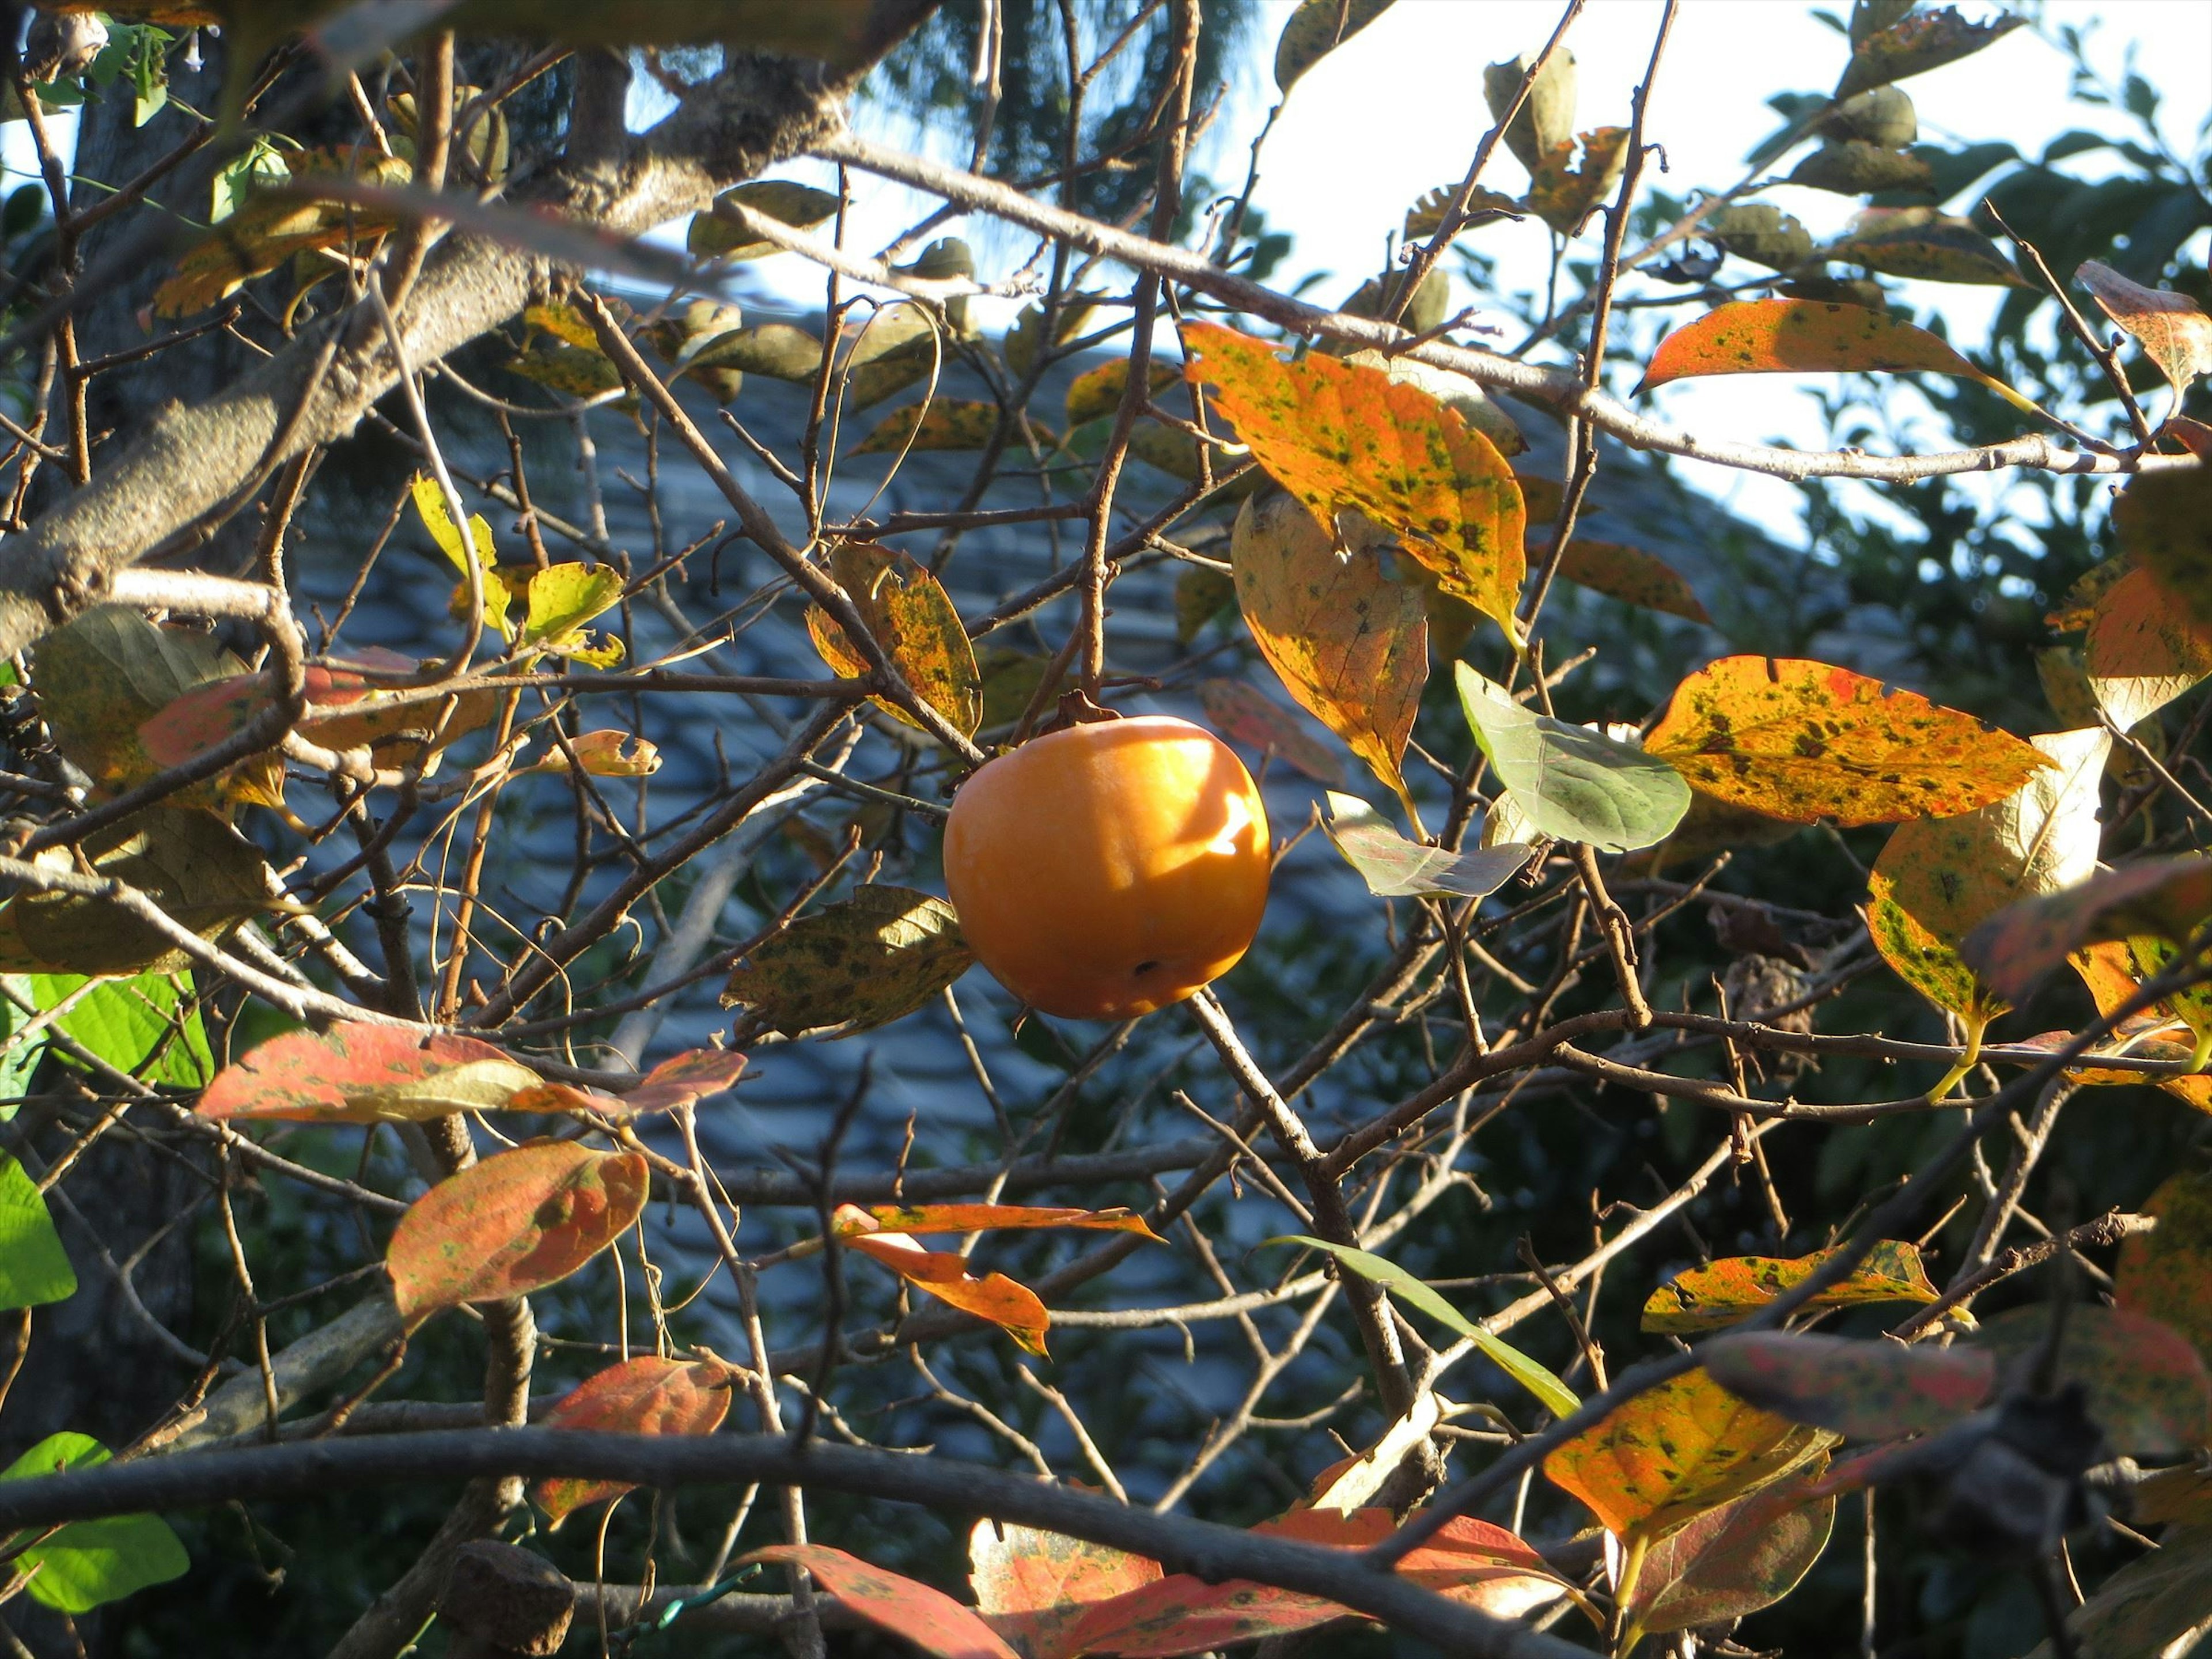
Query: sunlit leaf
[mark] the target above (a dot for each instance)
(1572, 782)
(690, 1077)
(1564, 190)
(929, 1618)
(1804, 740)
(1630, 575)
(86, 1564)
(518, 1221)
(1035, 1586)
(1350, 644)
(1341, 435)
(2013, 950)
(1012, 1306)
(584, 373)
(2110, 972)
(149, 1026)
(1394, 868)
(363, 1074)
(608, 752)
(975, 1218)
(2172, 328)
(1244, 713)
(103, 674)
(878, 955)
(800, 206)
(34, 1269)
(1559, 1399)
(437, 518)
(2143, 648)
(1807, 336)
(2165, 524)
(1721, 1292)
(1675, 1451)
(645, 1395)
(906, 610)
(1097, 392)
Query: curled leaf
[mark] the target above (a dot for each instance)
(1394, 868)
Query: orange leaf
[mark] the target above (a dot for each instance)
(1803, 740)
(2108, 970)
(1721, 1292)
(1630, 575)
(929, 1618)
(2167, 1274)
(2143, 649)
(1350, 644)
(906, 610)
(975, 1218)
(690, 1076)
(1807, 337)
(521, 1220)
(645, 1395)
(1341, 435)
(1006, 1303)
(356, 1072)
(2164, 524)
(2016, 947)
(1247, 716)
(2172, 328)
(1036, 1587)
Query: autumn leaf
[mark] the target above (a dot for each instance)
(2143, 648)
(1852, 167)
(1570, 781)
(2172, 328)
(929, 1618)
(1341, 435)
(1348, 643)
(1564, 192)
(2013, 950)
(872, 958)
(360, 1073)
(1394, 868)
(2165, 524)
(437, 518)
(976, 1217)
(520, 1220)
(1915, 43)
(559, 600)
(1721, 1292)
(1316, 28)
(1547, 116)
(104, 675)
(609, 752)
(1803, 337)
(1938, 878)
(1630, 575)
(1244, 713)
(1006, 1303)
(2145, 1383)
(1097, 392)
(2167, 1274)
(1035, 1586)
(645, 1395)
(687, 1079)
(2109, 972)
(1804, 740)
(1860, 1389)
(939, 423)
(906, 610)
(1933, 246)
(1674, 1452)
(1733, 1561)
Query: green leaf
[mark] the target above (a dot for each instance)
(1394, 868)
(877, 956)
(561, 599)
(800, 206)
(34, 1269)
(1559, 1399)
(133, 1024)
(1316, 28)
(89, 1563)
(1914, 44)
(1572, 782)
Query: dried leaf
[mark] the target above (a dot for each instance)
(2167, 1274)
(609, 752)
(1630, 575)
(1341, 435)
(939, 423)
(1736, 1559)
(912, 619)
(877, 956)
(1938, 878)
(1924, 243)
(2013, 950)
(1006, 1303)
(1394, 868)
(518, 1221)
(1350, 644)
(1721, 1292)
(1563, 193)
(2143, 649)
(1675, 1451)
(1804, 740)
(361, 1073)
(1316, 29)
(1914, 44)
(104, 674)
(274, 225)
(1559, 1399)
(1572, 782)
(1805, 337)
(929, 1618)
(1247, 716)
(2145, 1384)
(1863, 1390)
(2172, 328)
(645, 1395)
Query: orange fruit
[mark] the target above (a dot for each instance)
(1108, 869)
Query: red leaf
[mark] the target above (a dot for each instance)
(2016, 947)
(1254, 718)
(515, 1222)
(1007, 1304)
(646, 1395)
(1867, 1390)
(687, 1079)
(360, 1073)
(1036, 1586)
(929, 1618)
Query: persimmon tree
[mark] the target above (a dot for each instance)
(508, 924)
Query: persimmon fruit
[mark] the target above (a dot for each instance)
(1107, 869)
